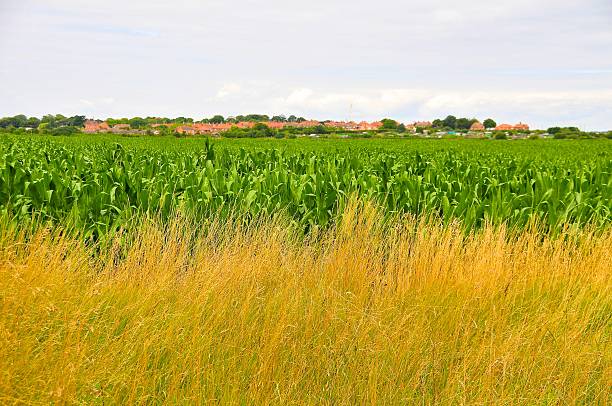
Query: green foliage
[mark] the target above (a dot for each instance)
(319, 129)
(262, 130)
(450, 122)
(218, 119)
(16, 121)
(463, 123)
(489, 123)
(63, 131)
(100, 186)
(564, 132)
(389, 124)
(137, 122)
(51, 121)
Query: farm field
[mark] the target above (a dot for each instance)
(102, 185)
(318, 271)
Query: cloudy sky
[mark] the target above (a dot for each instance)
(543, 62)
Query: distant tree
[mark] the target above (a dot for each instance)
(489, 123)
(234, 132)
(65, 130)
(260, 127)
(292, 119)
(401, 128)
(6, 122)
(218, 119)
(262, 130)
(388, 124)
(300, 119)
(281, 118)
(164, 130)
(257, 117)
(137, 122)
(20, 120)
(450, 122)
(564, 132)
(463, 123)
(17, 121)
(75, 121)
(48, 118)
(54, 121)
(437, 123)
(33, 122)
(319, 129)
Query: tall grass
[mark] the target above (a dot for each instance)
(402, 312)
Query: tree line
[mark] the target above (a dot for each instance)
(56, 124)
(139, 122)
(462, 123)
(49, 121)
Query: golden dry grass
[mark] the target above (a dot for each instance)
(405, 312)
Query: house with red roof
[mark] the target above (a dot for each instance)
(509, 127)
(521, 126)
(504, 127)
(308, 123)
(186, 129)
(275, 125)
(477, 126)
(94, 126)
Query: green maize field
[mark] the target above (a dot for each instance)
(97, 184)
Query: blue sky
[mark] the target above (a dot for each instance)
(543, 62)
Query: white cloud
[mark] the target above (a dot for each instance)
(539, 108)
(228, 90)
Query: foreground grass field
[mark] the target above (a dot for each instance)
(365, 312)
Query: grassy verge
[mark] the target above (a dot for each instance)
(404, 312)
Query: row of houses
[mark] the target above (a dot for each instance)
(478, 126)
(209, 128)
(95, 126)
(509, 127)
(206, 128)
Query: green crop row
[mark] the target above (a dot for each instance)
(97, 187)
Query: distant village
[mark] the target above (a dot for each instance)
(280, 126)
(98, 126)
